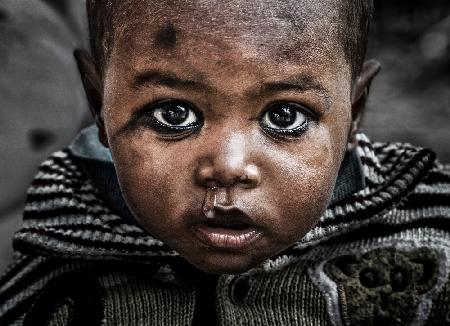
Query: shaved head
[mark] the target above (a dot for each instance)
(283, 24)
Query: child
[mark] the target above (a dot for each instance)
(228, 184)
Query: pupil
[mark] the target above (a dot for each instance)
(175, 115)
(282, 116)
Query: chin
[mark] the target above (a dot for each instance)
(224, 263)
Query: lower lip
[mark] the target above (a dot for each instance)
(227, 239)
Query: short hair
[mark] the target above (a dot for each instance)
(355, 14)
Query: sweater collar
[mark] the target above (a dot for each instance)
(66, 217)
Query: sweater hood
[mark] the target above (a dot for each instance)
(66, 217)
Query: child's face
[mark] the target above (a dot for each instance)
(236, 115)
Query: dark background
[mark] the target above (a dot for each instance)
(42, 104)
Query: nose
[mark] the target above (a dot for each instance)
(228, 163)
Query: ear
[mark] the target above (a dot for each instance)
(92, 83)
(360, 95)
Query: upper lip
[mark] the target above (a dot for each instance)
(228, 216)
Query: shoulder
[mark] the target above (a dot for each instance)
(24, 280)
(390, 264)
(40, 290)
(432, 192)
(427, 206)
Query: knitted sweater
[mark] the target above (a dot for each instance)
(379, 254)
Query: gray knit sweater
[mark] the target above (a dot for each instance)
(378, 256)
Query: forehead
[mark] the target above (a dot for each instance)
(241, 12)
(278, 28)
(230, 44)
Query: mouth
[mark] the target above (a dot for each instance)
(230, 230)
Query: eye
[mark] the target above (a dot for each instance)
(175, 115)
(174, 118)
(285, 119)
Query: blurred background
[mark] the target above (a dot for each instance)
(410, 99)
(42, 104)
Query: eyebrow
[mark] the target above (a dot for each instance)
(298, 83)
(158, 78)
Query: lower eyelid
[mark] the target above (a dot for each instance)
(290, 133)
(161, 126)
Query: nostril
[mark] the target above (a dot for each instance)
(244, 179)
(204, 174)
(217, 176)
(251, 176)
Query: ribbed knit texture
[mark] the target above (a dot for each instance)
(285, 297)
(405, 204)
(147, 304)
(61, 316)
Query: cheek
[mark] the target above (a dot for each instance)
(155, 178)
(304, 179)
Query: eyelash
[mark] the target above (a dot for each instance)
(181, 132)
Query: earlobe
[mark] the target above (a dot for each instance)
(93, 87)
(360, 95)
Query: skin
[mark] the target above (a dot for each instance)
(234, 61)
